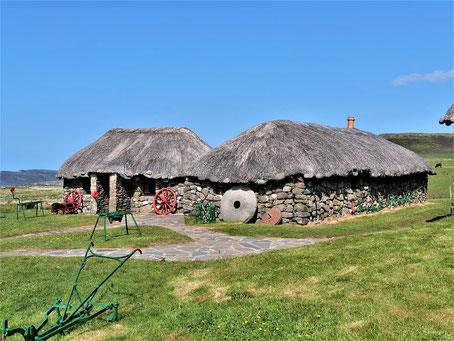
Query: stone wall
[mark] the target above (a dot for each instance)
(143, 190)
(116, 193)
(123, 194)
(303, 200)
(102, 187)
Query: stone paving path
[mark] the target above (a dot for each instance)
(207, 244)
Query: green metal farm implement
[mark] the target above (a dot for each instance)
(204, 214)
(28, 205)
(68, 315)
(111, 217)
(390, 202)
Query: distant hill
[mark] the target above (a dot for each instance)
(28, 177)
(423, 143)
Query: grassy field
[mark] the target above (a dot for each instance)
(117, 237)
(395, 285)
(48, 194)
(382, 221)
(14, 227)
(438, 186)
(423, 143)
(389, 278)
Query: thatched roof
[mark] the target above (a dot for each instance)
(448, 119)
(277, 149)
(152, 152)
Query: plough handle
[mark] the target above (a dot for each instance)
(135, 250)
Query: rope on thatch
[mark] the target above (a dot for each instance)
(152, 152)
(448, 119)
(278, 149)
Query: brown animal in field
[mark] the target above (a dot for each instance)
(438, 165)
(56, 206)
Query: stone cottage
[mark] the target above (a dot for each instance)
(308, 171)
(128, 166)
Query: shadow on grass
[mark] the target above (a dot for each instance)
(438, 218)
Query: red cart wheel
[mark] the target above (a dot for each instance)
(74, 199)
(164, 201)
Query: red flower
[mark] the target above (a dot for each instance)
(95, 194)
(12, 189)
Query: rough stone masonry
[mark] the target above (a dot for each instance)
(302, 200)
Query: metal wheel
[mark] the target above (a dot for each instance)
(74, 199)
(164, 201)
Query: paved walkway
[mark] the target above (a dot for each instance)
(207, 244)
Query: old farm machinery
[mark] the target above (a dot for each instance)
(71, 203)
(76, 310)
(111, 217)
(164, 201)
(27, 205)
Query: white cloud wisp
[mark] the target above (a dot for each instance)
(431, 77)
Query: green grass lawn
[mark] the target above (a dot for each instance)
(385, 220)
(395, 285)
(422, 143)
(438, 186)
(48, 194)
(117, 237)
(13, 227)
(440, 157)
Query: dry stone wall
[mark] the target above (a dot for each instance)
(142, 201)
(303, 200)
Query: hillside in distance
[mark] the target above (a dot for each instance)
(28, 177)
(422, 144)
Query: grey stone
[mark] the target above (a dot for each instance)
(287, 215)
(298, 191)
(263, 198)
(300, 208)
(239, 203)
(282, 195)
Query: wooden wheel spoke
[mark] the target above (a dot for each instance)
(164, 201)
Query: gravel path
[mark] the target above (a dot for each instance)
(207, 244)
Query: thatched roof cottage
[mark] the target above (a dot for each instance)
(448, 119)
(127, 166)
(308, 171)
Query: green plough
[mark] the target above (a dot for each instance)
(68, 315)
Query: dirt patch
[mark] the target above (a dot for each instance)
(355, 325)
(198, 286)
(400, 312)
(349, 270)
(312, 280)
(98, 335)
(445, 317)
(296, 291)
(414, 265)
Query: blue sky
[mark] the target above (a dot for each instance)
(70, 71)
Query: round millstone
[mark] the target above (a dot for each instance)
(272, 217)
(238, 204)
